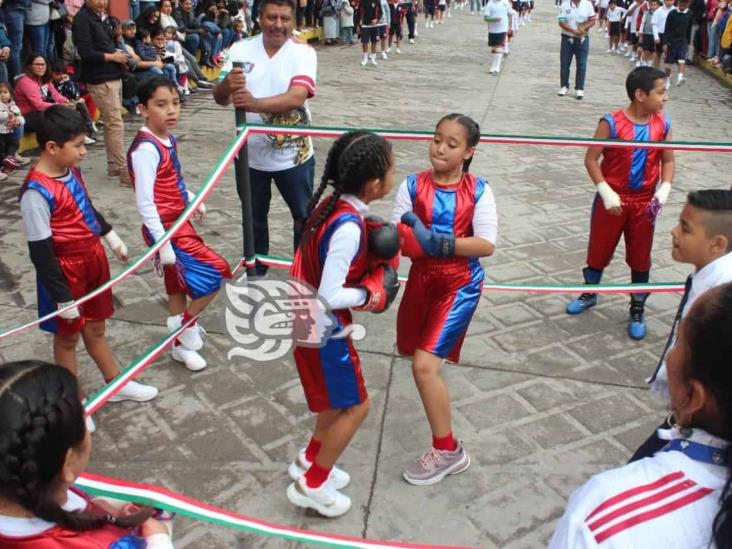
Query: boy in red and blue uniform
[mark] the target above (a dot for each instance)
(632, 186)
(190, 268)
(64, 233)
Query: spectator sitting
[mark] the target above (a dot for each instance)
(10, 120)
(214, 38)
(145, 49)
(168, 21)
(189, 25)
(244, 14)
(35, 92)
(149, 19)
(168, 58)
(239, 31)
(71, 91)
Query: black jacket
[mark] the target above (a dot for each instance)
(187, 21)
(678, 27)
(93, 38)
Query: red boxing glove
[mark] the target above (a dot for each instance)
(408, 242)
(382, 285)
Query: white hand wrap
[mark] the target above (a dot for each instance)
(610, 198)
(167, 255)
(115, 243)
(662, 192)
(71, 314)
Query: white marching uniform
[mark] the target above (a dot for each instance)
(668, 500)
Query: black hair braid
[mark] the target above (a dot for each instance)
(472, 132)
(41, 417)
(367, 158)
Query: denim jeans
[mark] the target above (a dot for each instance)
(410, 16)
(192, 42)
(227, 38)
(713, 49)
(14, 21)
(573, 47)
(347, 35)
(295, 186)
(40, 39)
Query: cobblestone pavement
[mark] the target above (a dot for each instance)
(542, 400)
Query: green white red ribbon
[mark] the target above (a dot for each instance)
(168, 500)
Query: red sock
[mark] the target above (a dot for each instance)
(444, 443)
(311, 452)
(186, 317)
(316, 475)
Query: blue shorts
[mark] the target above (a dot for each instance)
(676, 54)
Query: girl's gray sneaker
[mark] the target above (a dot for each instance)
(434, 465)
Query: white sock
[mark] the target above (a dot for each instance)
(365, 56)
(497, 58)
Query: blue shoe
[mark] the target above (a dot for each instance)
(636, 322)
(581, 304)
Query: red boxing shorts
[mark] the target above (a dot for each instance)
(198, 270)
(331, 375)
(438, 303)
(85, 267)
(636, 224)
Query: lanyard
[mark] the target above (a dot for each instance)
(696, 451)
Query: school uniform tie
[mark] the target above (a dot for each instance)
(671, 338)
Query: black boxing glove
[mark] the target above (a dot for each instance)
(382, 286)
(383, 239)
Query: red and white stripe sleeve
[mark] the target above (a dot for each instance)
(305, 69)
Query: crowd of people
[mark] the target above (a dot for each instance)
(444, 219)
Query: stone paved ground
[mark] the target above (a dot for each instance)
(541, 399)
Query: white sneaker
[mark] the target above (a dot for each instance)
(388, 50)
(416, 31)
(94, 127)
(90, 425)
(411, 40)
(373, 61)
(297, 468)
(192, 360)
(667, 85)
(364, 62)
(680, 79)
(563, 91)
(611, 50)
(398, 51)
(383, 55)
(190, 337)
(89, 141)
(426, 24)
(135, 391)
(325, 499)
(579, 94)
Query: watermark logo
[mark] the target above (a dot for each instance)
(266, 317)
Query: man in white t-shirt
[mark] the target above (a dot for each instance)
(497, 13)
(576, 18)
(277, 78)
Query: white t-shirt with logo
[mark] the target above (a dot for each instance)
(497, 8)
(294, 64)
(615, 15)
(575, 14)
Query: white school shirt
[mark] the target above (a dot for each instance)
(294, 64)
(497, 8)
(342, 248)
(615, 15)
(485, 218)
(659, 21)
(668, 500)
(713, 274)
(574, 15)
(603, 3)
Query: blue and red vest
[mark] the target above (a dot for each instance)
(74, 224)
(170, 194)
(629, 170)
(446, 209)
(311, 254)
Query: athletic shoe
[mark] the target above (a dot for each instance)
(680, 79)
(191, 359)
(3, 176)
(411, 40)
(297, 468)
(416, 30)
(88, 140)
(373, 61)
(90, 425)
(325, 499)
(636, 322)
(581, 304)
(493, 72)
(611, 50)
(388, 50)
(579, 94)
(205, 85)
(667, 85)
(434, 465)
(10, 164)
(190, 338)
(398, 51)
(22, 160)
(563, 91)
(135, 391)
(364, 62)
(383, 55)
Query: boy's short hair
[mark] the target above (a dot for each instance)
(148, 88)
(59, 124)
(157, 31)
(142, 34)
(58, 65)
(717, 205)
(642, 78)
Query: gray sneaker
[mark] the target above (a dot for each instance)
(435, 465)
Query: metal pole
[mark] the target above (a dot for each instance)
(243, 189)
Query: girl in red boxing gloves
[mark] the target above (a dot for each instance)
(352, 263)
(447, 221)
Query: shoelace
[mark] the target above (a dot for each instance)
(586, 297)
(430, 459)
(636, 312)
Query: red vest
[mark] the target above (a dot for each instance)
(74, 224)
(629, 170)
(170, 194)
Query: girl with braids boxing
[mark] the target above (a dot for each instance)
(682, 496)
(44, 446)
(351, 260)
(448, 221)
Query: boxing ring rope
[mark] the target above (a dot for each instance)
(166, 499)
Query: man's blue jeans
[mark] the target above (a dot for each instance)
(295, 186)
(580, 49)
(40, 39)
(192, 42)
(14, 21)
